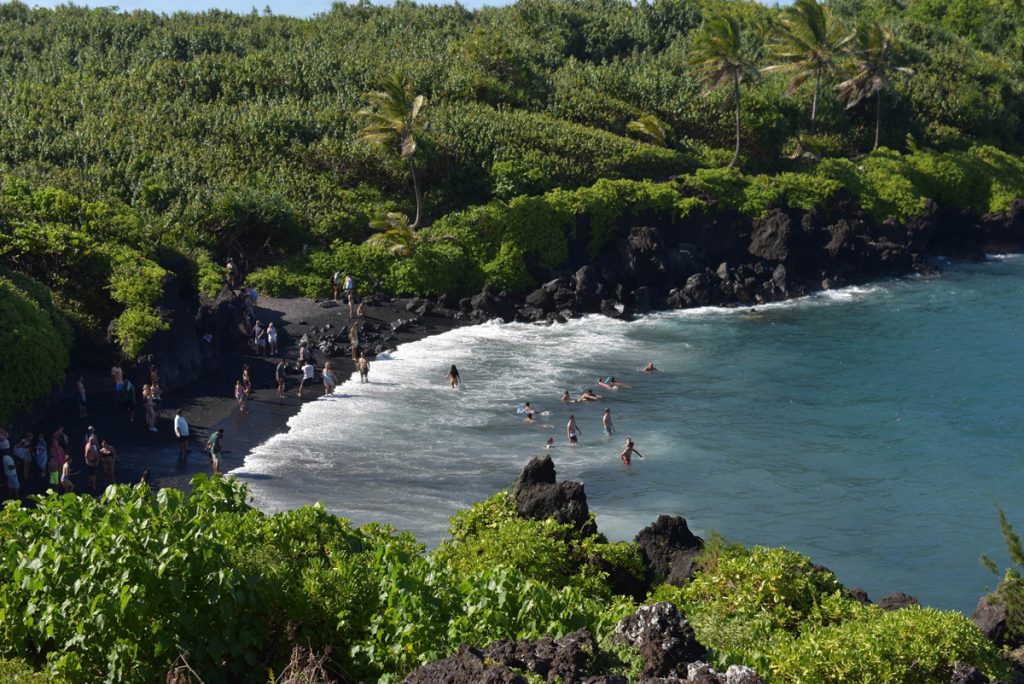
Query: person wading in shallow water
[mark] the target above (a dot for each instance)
(628, 451)
(453, 376)
(572, 430)
(215, 446)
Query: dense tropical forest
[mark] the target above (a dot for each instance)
(136, 145)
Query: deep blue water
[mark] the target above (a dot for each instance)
(874, 428)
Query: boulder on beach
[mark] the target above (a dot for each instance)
(539, 496)
(663, 636)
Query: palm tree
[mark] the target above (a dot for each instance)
(723, 61)
(392, 118)
(394, 233)
(810, 43)
(874, 51)
(650, 127)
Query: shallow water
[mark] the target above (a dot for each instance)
(873, 428)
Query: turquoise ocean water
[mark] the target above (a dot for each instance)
(873, 428)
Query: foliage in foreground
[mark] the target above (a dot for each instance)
(772, 609)
(1010, 591)
(117, 589)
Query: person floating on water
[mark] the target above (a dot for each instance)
(606, 421)
(629, 451)
(649, 368)
(588, 395)
(611, 383)
(453, 376)
(572, 430)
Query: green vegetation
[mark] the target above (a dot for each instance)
(134, 145)
(119, 588)
(1010, 591)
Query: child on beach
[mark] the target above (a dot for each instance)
(328, 377)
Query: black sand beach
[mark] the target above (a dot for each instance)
(209, 403)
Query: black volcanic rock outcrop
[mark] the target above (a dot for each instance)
(670, 548)
(539, 496)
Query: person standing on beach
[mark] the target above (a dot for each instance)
(453, 377)
(42, 454)
(350, 292)
(259, 337)
(335, 284)
(572, 430)
(328, 378)
(240, 395)
(181, 432)
(353, 338)
(279, 374)
(11, 473)
(364, 369)
(304, 354)
(107, 456)
(246, 380)
(214, 446)
(92, 459)
(118, 375)
(65, 477)
(149, 406)
(81, 397)
(272, 338)
(308, 371)
(128, 401)
(606, 421)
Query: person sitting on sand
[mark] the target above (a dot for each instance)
(588, 395)
(649, 368)
(628, 452)
(453, 376)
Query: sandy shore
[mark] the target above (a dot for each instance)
(209, 403)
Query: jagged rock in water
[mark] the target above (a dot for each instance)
(466, 666)
(664, 638)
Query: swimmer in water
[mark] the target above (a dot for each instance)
(550, 443)
(608, 383)
(629, 451)
(453, 376)
(588, 395)
(606, 421)
(649, 368)
(572, 431)
(566, 399)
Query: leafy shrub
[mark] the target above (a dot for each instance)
(36, 341)
(909, 646)
(1010, 591)
(19, 672)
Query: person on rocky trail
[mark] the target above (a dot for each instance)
(336, 284)
(232, 272)
(572, 431)
(181, 432)
(259, 335)
(628, 452)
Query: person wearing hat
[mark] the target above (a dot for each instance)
(181, 431)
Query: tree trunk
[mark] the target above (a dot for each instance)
(416, 189)
(736, 94)
(878, 117)
(814, 103)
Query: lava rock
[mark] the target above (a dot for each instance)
(859, 595)
(990, 617)
(670, 547)
(466, 666)
(556, 660)
(664, 638)
(967, 674)
(538, 496)
(896, 601)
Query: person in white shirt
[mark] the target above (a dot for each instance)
(308, 372)
(181, 430)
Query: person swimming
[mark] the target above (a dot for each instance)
(608, 383)
(588, 395)
(566, 399)
(649, 368)
(550, 444)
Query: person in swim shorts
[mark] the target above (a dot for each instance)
(606, 421)
(628, 452)
(572, 430)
